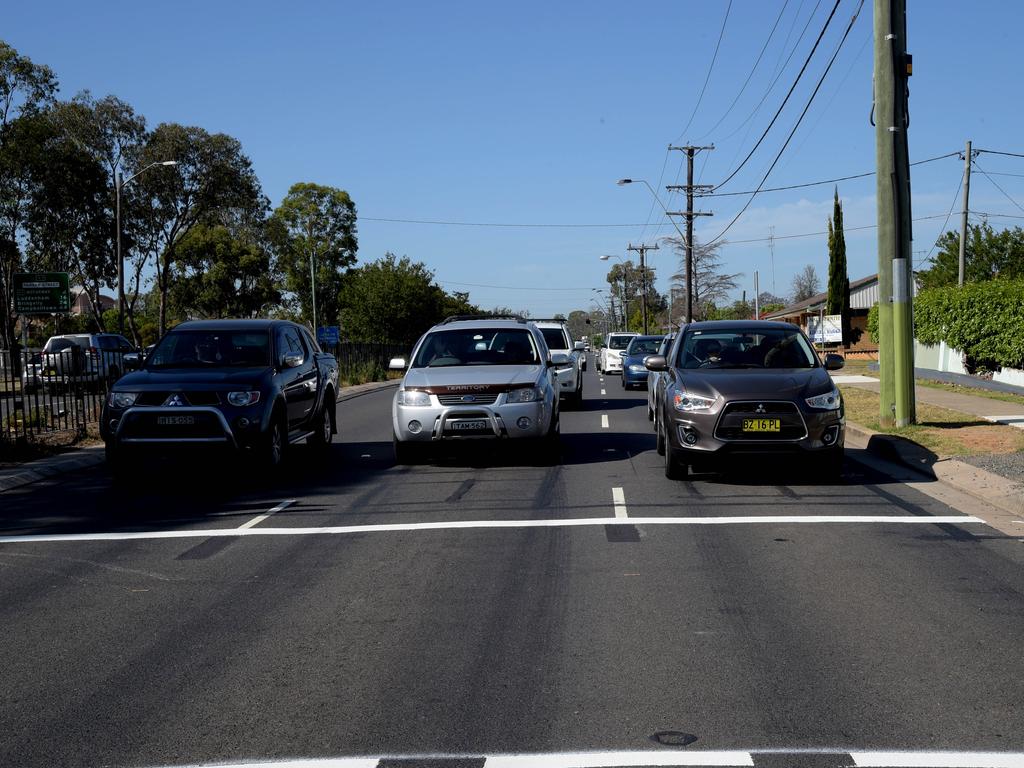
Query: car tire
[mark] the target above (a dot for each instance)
(275, 442)
(650, 411)
(323, 427)
(830, 464)
(660, 441)
(406, 453)
(674, 468)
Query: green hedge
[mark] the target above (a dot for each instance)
(985, 321)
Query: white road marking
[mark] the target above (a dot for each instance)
(848, 378)
(1013, 420)
(605, 759)
(604, 421)
(260, 518)
(619, 500)
(603, 392)
(325, 762)
(938, 759)
(205, 533)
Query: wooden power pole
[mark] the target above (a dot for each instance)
(689, 213)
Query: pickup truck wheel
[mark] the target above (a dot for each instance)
(323, 431)
(274, 443)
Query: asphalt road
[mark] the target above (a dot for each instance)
(781, 641)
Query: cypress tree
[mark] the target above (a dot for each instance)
(838, 302)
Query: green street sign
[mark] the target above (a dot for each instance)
(41, 293)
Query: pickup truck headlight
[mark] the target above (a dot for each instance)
(413, 397)
(524, 395)
(243, 398)
(685, 401)
(121, 399)
(829, 401)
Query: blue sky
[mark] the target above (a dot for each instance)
(527, 113)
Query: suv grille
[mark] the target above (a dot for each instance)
(482, 399)
(730, 423)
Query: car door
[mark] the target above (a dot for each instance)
(301, 391)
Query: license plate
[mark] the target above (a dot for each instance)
(467, 425)
(174, 421)
(762, 425)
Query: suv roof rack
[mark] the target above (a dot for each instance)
(459, 318)
(561, 320)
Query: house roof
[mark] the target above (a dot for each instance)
(818, 298)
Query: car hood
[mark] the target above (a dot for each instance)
(171, 378)
(469, 378)
(748, 383)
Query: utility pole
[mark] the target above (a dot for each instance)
(689, 213)
(757, 299)
(642, 250)
(963, 214)
(895, 308)
(771, 249)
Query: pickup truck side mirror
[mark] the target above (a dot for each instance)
(579, 346)
(397, 364)
(291, 360)
(558, 358)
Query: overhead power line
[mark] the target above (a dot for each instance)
(792, 88)
(696, 106)
(997, 152)
(807, 106)
(943, 228)
(996, 185)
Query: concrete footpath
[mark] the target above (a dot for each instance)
(92, 456)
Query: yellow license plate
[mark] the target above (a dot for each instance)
(761, 425)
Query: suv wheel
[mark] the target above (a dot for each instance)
(660, 445)
(674, 469)
(830, 464)
(406, 452)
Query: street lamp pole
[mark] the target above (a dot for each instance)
(119, 184)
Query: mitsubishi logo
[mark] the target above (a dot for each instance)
(760, 408)
(174, 400)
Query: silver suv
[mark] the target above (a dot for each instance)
(88, 356)
(570, 377)
(473, 377)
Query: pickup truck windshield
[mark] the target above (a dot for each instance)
(211, 349)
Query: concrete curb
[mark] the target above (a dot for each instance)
(85, 458)
(985, 486)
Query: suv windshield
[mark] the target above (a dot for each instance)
(474, 346)
(555, 338)
(619, 342)
(643, 346)
(746, 348)
(214, 349)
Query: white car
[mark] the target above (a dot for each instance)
(570, 377)
(610, 360)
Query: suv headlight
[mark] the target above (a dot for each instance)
(413, 397)
(121, 399)
(243, 398)
(524, 395)
(829, 401)
(685, 401)
(637, 368)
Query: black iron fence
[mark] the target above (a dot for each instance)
(45, 393)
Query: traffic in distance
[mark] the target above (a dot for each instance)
(716, 390)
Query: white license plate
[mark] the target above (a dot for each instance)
(467, 425)
(174, 421)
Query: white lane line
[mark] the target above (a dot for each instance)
(938, 759)
(604, 421)
(201, 533)
(260, 518)
(619, 500)
(603, 392)
(607, 759)
(322, 762)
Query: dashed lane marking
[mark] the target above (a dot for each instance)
(201, 533)
(603, 392)
(619, 500)
(938, 759)
(604, 421)
(260, 518)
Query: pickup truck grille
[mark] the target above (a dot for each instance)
(481, 399)
(187, 398)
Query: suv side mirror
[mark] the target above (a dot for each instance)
(834, 362)
(397, 364)
(656, 363)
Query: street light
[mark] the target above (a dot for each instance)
(625, 301)
(682, 237)
(119, 184)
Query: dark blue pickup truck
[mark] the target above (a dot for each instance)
(254, 386)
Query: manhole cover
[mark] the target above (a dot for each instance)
(674, 738)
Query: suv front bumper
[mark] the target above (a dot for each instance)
(433, 423)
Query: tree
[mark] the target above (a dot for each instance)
(220, 275)
(838, 302)
(391, 299)
(212, 175)
(627, 283)
(805, 284)
(458, 303)
(710, 285)
(988, 255)
(579, 324)
(314, 227)
(26, 89)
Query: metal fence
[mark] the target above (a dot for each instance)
(43, 394)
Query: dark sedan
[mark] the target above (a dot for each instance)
(747, 387)
(634, 373)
